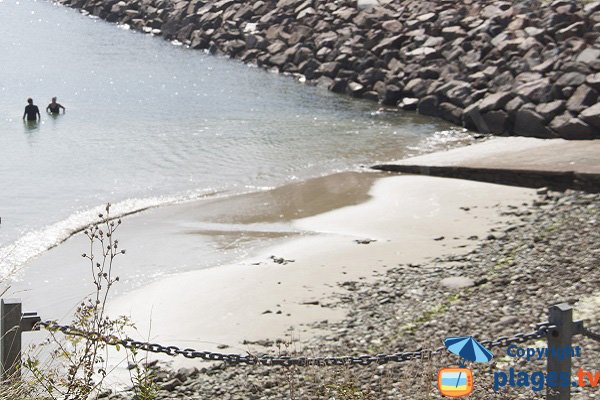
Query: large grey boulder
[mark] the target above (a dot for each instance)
(428, 105)
(535, 32)
(591, 7)
(593, 80)
(366, 4)
(224, 4)
(276, 47)
(497, 121)
(568, 127)
(300, 34)
(495, 101)
(198, 40)
(472, 119)
(570, 79)
(588, 55)
(345, 13)
(427, 17)
(338, 85)
(451, 112)
(355, 89)
(370, 76)
(530, 123)
(308, 68)
(303, 54)
(591, 115)
(550, 110)
(279, 60)
(207, 21)
(288, 3)
(326, 39)
(170, 28)
(583, 97)
(307, 12)
(408, 103)
(390, 94)
(234, 47)
(393, 42)
(244, 13)
(460, 94)
(416, 87)
(393, 26)
(329, 69)
(538, 91)
(254, 41)
(512, 106)
(429, 72)
(452, 32)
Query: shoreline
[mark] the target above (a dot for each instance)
(302, 221)
(302, 258)
(26, 248)
(529, 69)
(529, 256)
(233, 230)
(236, 306)
(35, 243)
(218, 228)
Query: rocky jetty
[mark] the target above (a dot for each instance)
(524, 68)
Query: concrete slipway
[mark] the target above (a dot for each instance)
(556, 163)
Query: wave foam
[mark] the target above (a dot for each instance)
(32, 244)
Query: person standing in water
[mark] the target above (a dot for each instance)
(54, 107)
(32, 112)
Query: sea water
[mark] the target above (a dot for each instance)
(150, 123)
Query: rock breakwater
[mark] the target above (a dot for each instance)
(525, 68)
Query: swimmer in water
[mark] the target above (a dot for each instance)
(54, 107)
(32, 112)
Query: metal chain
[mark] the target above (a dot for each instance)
(250, 359)
(505, 341)
(590, 334)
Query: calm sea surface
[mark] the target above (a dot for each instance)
(149, 123)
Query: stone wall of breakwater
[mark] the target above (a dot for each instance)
(525, 67)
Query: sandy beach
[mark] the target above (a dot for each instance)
(407, 219)
(323, 232)
(280, 260)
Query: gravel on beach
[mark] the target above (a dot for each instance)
(548, 253)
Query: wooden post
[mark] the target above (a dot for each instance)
(10, 340)
(560, 315)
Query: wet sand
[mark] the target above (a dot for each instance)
(179, 293)
(185, 237)
(256, 299)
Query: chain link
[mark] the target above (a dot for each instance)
(590, 334)
(505, 341)
(249, 359)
